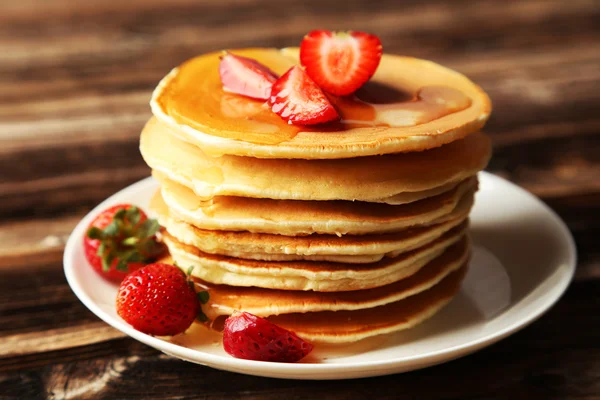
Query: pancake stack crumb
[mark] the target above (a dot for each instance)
(338, 232)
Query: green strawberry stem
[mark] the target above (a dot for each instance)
(127, 240)
(203, 296)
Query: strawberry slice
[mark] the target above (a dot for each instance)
(253, 338)
(298, 100)
(340, 62)
(245, 76)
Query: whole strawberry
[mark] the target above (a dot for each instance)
(253, 338)
(158, 300)
(121, 239)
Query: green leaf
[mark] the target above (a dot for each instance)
(133, 215)
(154, 227)
(101, 249)
(120, 214)
(130, 241)
(203, 297)
(130, 256)
(134, 257)
(95, 233)
(112, 229)
(107, 260)
(151, 248)
(201, 316)
(121, 266)
(148, 228)
(190, 270)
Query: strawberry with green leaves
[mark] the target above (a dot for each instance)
(121, 239)
(160, 299)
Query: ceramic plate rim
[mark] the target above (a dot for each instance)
(279, 369)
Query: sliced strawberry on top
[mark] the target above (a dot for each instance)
(245, 76)
(340, 62)
(253, 338)
(297, 99)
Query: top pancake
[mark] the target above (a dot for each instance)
(409, 105)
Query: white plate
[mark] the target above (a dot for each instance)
(523, 261)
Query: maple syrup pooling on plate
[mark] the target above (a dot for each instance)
(195, 97)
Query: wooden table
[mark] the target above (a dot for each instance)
(75, 81)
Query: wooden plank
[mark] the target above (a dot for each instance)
(432, 26)
(57, 339)
(34, 237)
(553, 166)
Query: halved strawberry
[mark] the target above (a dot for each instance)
(245, 76)
(340, 62)
(297, 99)
(253, 338)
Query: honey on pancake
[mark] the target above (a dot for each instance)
(195, 97)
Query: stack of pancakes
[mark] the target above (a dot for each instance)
(338, 232)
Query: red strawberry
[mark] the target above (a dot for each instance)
(297, 99)
(158, 300)
(121, 239)
(246, 76)
(340, 62)
(253, 338)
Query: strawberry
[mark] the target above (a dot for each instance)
(245, 76)
(158, 300)
(340, 62)
(297, 99)
(121, 239)
(253, 338)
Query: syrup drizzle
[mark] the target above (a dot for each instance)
(195, 97)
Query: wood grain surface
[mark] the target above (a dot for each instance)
(75, 81)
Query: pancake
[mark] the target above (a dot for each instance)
(409, 105)
(373, 179)
(409, 197)
(310, 275)
(295, 217)
(351, 326)
(267, 247)
(224, 299)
